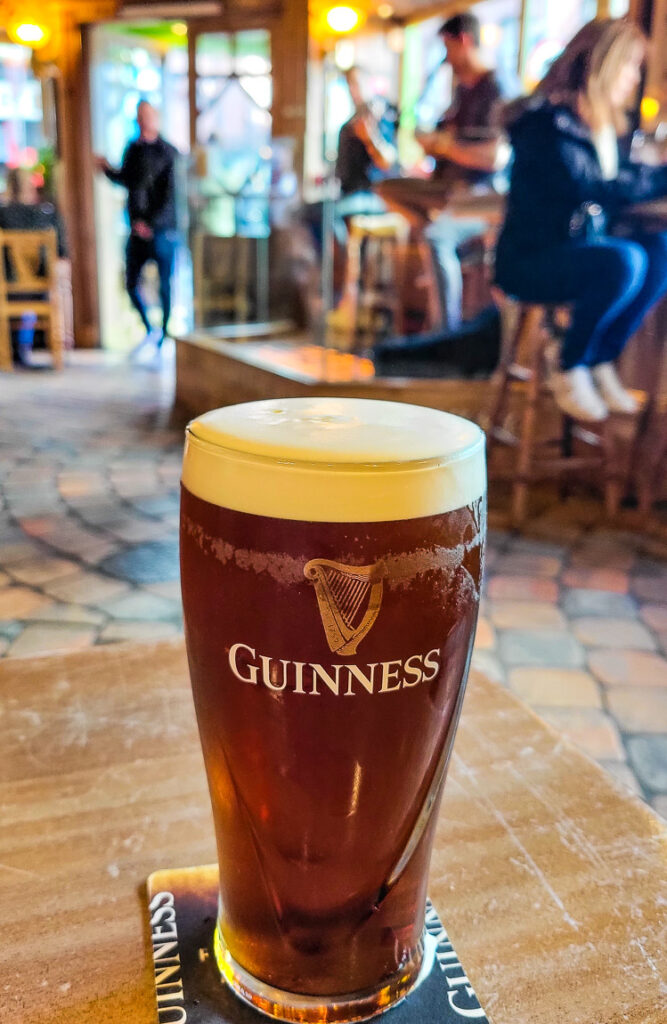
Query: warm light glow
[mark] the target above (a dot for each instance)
(30, 34)
(344, 54)
(342, 19)
(385, 11)
(396, 40)
(650, 108)
(490, 36)
(179, 28)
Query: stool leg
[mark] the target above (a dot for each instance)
(510, 334)
(612, 489)
(528, 420)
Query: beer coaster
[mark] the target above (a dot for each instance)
(182, 908)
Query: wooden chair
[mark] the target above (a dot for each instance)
(29, 284)
(527, 343)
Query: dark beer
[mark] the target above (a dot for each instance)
(331, 556)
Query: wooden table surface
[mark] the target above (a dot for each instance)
(549, 879)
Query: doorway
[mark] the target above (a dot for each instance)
(128, 63)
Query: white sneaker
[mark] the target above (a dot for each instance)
(616, 397)
(576, 396)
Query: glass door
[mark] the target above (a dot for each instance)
(129, 63)
(232, 178)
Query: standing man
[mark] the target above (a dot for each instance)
(147, 172)
(465, 147)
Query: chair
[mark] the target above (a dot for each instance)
(29, 284)
(527, 348)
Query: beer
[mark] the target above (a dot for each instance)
(331, 557)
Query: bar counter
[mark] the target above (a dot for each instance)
(548, 877)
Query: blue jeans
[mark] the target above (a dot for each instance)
(444, 236)
(611, 284)
(162, 249)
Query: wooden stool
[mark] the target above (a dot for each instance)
(526, 352)
(371, 303)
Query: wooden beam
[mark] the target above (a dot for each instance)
(289, 55)
(76, 197)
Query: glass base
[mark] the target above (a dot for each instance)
(335, 1009)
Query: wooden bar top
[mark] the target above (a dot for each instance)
(550, 880)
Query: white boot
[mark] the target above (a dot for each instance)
(617, 398)
(576, 396)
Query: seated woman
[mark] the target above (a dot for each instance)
(568, 186)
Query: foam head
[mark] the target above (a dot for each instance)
(334, 459)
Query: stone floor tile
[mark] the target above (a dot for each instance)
(522, 588)
(46, 527)
(623, 773)
(143, 607)
(555, 687)
(489, 664)
(592, 730)
(628, 668)
(526, 615)
(602, 632)
(44, 639)
(655, 616)
(58, 611)
(75, 484)
(40, 570)
(19, 551)
(155, 562)
(170, 589)
(518, 563)
(659, 805)
(638, 708)
(578, 603)
(134, 531)
(85, 588)
(650, 588)
(160, 505)
(597, 579)
(91, 550)
(485, 637)
(549, 647)
(18, 602)
(118, 631)
(648, 758)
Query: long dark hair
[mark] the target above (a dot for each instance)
(586, 71)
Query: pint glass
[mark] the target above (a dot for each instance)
(331, 556)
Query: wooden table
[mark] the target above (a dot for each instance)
(549, 879)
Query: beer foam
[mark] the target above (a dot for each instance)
(334, 459)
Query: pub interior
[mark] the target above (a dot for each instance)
(347, 214)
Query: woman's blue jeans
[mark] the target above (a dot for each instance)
(610, 283)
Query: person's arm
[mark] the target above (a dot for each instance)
(118, 175)
(477, 156)
(381, 152)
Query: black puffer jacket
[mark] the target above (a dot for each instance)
(557, 191)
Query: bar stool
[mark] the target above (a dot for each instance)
(528, 349)
(371, 301)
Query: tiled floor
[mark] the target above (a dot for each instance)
(574, 619)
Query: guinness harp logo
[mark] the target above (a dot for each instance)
(349, 598)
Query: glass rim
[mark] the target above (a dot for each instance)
(467, 452)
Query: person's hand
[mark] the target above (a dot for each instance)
(141, 229)
(100, 163)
